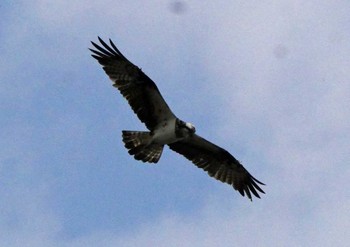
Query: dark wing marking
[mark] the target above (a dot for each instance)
(218, 163)
(139, 90)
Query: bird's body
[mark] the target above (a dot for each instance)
(165, 128)
(165, 132)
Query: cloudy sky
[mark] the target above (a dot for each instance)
(267, 80)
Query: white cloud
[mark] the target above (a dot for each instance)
(281, 223)
(280, 71)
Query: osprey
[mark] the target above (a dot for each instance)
(165, 128)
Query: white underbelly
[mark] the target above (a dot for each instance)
(165, 134)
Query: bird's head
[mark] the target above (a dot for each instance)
(190, 127)
(185, 128)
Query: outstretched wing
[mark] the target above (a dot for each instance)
(139, 90)
(218, 163)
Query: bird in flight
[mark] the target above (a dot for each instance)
(164, 127)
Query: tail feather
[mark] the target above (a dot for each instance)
(139, 145)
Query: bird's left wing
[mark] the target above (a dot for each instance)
(218, 163)
(139, 90)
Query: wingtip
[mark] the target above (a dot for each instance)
(251, 198)
(250, 190)
(93, 43)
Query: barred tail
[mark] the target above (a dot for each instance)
(139, 145)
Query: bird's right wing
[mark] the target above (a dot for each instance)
(139, 90)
